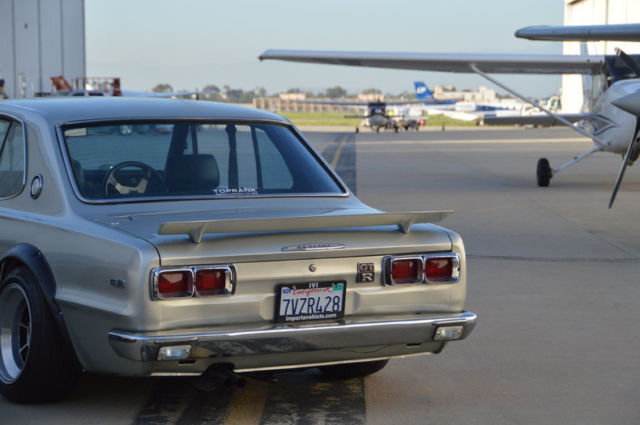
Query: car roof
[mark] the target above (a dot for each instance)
(61, 110)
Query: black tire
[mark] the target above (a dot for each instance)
(357, 130)
(353, 370)
(543, 172)
(46, 370)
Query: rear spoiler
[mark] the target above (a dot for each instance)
(404, 221)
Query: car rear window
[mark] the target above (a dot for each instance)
(174, 159)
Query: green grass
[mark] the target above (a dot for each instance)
(337, 118)
(440, 120)
(320, 118)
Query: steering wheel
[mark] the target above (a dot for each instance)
(138, 185)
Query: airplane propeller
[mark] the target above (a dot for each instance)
(631, 104)
(628, 61)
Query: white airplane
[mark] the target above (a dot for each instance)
(462, 110)
(610, 128)
(376, 116)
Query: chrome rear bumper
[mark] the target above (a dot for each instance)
(299, 338)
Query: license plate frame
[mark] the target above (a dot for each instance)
(290, 307)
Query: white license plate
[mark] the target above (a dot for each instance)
(310, 301)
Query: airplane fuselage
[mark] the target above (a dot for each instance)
(378, 120)
(611, 125)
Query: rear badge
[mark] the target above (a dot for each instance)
(314, 247)
(366, 272)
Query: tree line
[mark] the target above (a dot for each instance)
(236, 95)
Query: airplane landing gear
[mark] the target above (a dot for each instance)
(357, 130)
(543, 172)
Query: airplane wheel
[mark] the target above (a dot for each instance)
(378, 130)
(543, 172)
(395, 129)
(357, 130)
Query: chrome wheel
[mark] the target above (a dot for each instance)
(15, 332)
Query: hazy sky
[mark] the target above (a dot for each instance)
(191, 43)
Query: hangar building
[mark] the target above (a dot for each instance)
(40, 39)
(595, 12)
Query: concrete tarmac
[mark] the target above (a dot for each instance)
(553, 277)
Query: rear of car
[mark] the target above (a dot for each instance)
(229, 243)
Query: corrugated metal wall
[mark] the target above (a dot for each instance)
(40, 39)
(595, 12)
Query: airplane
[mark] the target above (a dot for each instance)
(464, 111)
(613, 76)
(630, 103)
(378, 114)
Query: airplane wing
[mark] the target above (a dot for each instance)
(537, 119)
(619, 32)
(456, 115)
(447, 62)
(360, 103)
(406, 102)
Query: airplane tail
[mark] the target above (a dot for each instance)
(422, 91)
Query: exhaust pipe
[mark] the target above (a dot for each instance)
(220, 376)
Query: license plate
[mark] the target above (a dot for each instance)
(300, 302)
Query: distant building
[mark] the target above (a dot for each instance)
(287, 102)
(481, 95)
(594, 12)
(40, 39)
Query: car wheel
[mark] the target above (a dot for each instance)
(353, 370)
(35, 365)
(543, 172)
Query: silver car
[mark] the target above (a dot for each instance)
(148, 237)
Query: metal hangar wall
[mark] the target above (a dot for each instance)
(40, 39)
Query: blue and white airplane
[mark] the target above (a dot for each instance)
(464, 111)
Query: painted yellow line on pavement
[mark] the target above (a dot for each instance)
(336, 156)
(474, 141)
(247, 404)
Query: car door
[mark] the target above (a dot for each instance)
(12, 173)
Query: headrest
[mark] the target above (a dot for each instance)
(192, 173)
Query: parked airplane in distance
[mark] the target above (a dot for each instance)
(382, 115)
(465, 111)
(610, 128)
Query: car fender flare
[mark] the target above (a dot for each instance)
(32, 258)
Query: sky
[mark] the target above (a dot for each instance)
(191, 43)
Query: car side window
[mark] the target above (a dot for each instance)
(274, 171)
(12, 155)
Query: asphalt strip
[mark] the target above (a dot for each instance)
(477, 142)
(296, 398)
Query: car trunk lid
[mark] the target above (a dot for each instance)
(259, 235)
